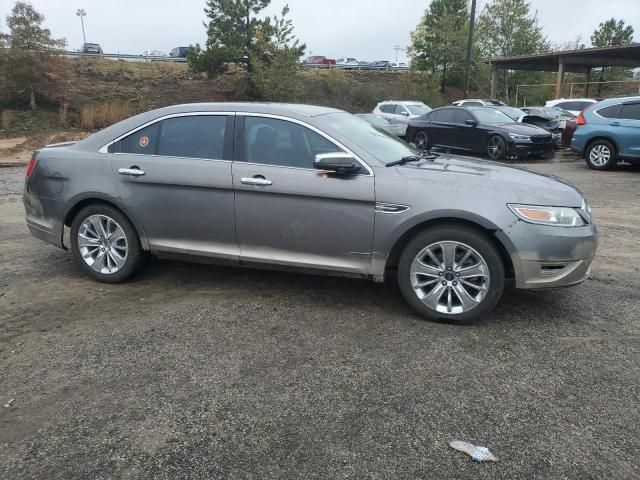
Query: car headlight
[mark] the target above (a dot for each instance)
(555, 216)
(517, 136)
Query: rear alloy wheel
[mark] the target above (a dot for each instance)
(451, 272)
(601, 155)
(421, 140)
(105, 243)
(496, 147)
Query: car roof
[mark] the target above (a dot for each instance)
(616, 101)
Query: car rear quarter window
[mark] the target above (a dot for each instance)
(630, 112)
(201, 136)
(142, 142)
(280, 142)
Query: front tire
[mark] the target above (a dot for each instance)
(451, 272)
(105, 244)
(601, 155)
(421, 140)
(496, 147)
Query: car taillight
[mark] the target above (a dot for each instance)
(581, 120)
(32, 164)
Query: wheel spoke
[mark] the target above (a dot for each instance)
(480, 287)
(432, 298)
(448, 254)
(99, 261)
(473, 271)
(85, 241)
(420, 268)
(464, 258)
(466, 300)
(118, 260)
(449, 300)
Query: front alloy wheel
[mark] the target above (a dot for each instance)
(496, 147)
(421, 141)
(451, 272)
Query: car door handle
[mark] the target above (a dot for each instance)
(256, 181)
(615, 124)
(133, 171)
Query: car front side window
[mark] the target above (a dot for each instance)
(279, 142)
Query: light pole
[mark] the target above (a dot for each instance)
(397, 48)
(81, 13)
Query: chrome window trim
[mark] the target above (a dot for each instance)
(314, 129)
(105, 148)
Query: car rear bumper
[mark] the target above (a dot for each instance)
(43, 218)
(550, 257)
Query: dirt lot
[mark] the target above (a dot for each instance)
(210, 372)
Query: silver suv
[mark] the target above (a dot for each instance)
(310, 188)
(400, 112)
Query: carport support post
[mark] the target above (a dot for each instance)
(560, 77)
(494, 80)
(586, 88)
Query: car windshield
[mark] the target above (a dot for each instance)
(384, 146)
(491, 116)
(92, 45)
(417, 109)
(514, 113)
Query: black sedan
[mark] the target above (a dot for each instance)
(482, 130)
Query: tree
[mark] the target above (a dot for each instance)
(28, 67)
(230, 34)
(438, 44)
(508, 28)
(610, 33)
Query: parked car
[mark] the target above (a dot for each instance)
(608, 132)
(363, 64)
(379, 65)
(475, 102)
(319, 60)
(179, 52)
(347, 63)
(549, 123)
(566, 121)
(92, 48)
(574, 105)
(383, 123)
(480, 130)
(400, 112)
(170, 182)
(398, 66)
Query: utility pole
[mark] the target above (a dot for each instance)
(81, 13)
(467, 70)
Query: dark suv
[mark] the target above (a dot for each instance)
(179, 52)
(92, 48)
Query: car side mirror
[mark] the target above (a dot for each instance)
(338, 162)
(471, 123)
(404, 113)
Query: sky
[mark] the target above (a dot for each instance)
(364, 29)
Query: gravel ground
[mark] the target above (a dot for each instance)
(192, 371)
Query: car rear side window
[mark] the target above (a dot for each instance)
(446, 115)
(575, 106)
(198, 136)
(388, 108)
(279, 142)
(609, 112)
(143, 142)
(630, 112)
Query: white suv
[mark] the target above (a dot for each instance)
(476, 102)
(572, 105)
(400, 112)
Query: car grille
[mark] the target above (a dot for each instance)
(541, 139)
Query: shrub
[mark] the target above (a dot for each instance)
(102, 114)
(6, 119)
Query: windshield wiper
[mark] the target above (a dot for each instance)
(413, 158)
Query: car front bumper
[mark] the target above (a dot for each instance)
(524, 149)
(550, 257)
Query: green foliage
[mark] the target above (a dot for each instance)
(27, 68)
(508, 28)
(610, 33)
(439, 42)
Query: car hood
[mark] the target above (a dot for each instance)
(522, 129)
(509, 184)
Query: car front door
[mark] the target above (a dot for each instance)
(442, 127)
(174, 176)
(389, 111)
(467, 136)
(289, 213)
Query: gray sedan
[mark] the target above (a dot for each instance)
(313, 189)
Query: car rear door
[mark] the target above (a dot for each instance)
(627, 129)
(174, 176)
(289, 213)
(442, 127)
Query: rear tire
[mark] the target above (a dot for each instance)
(105, 244)
(601, 155)
(451, 272)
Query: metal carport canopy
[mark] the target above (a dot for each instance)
(576, 61)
